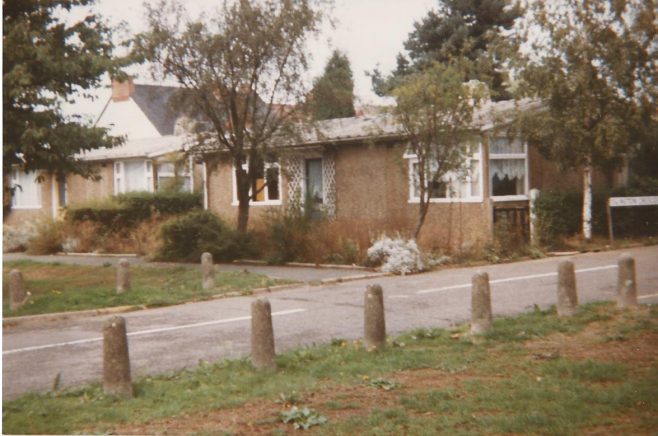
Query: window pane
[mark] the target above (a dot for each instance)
(475, 178)
(135, 176)
(507, 177)
(27, 191)
(504, 146)
(166, 168)
(314, 180)
(272, 174)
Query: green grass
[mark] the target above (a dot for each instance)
(57, 287)
(493, 387)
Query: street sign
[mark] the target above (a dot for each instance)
(633, 201)
(627, 202)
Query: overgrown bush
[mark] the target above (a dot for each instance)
(288, 234)
(186, 237)
(48, 238)
(398, 256)
(123, 212)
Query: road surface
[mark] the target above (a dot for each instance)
(178, 337)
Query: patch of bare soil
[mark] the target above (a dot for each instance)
(261, 417)
(602, 341)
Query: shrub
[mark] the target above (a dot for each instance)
(125, 211)
(17, 237)
(288, 235)
(48, 238)
(397, 256)
(187, 237)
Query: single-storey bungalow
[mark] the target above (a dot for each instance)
(359, 172)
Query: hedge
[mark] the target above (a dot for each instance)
(126, 210)
(560, 213)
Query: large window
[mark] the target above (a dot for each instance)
(27, 191)
(175, 176)
(508, 168)
(133, 175)
(464, 185)
(266, 186)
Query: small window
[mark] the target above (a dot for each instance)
(314, 188)
(507, 168)
(266, 185)
(27, 190)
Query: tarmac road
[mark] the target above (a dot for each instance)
(178, 337)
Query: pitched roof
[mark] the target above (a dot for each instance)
(155, 101)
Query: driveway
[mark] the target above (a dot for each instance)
(297, 273)
(179, 337)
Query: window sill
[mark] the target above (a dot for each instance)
(448, 200)
(26, 207)
(260, 203)
(510, 198)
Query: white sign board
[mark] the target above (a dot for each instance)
(633, 201)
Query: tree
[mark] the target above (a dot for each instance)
(594, 70)
(47, 61)
(333, 92)
(460, 30)
(242, 70)
(435, 110)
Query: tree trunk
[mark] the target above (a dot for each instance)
(422, 213)
(242, 182)
(587, 200)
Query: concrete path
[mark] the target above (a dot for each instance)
(297, 273)
(179, 337)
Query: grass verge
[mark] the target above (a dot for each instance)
(57, 287)
(536, 374)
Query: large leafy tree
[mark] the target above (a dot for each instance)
(333, 92)
(595, 72)
(242, 69)
(435, 111)
(48, 59)
(468, 32)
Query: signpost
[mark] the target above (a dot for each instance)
(626, 202)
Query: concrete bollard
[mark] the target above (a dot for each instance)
(374, 319)
(626, 286)
(262, 336)
(116, 361)
(123, 276)
(207, 271)
(480, 303)
(17, 293)
(567, 296)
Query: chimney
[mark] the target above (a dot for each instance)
(121, 91)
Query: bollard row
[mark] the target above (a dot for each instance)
(116, 362)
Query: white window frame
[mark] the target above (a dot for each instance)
(510, 156)
(187, 172)
(448, 178)
(267, 201)
(17, 194)
(148, 173)
(119, 177)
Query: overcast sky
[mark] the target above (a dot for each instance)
(371, 32)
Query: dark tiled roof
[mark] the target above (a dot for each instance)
(156, 103)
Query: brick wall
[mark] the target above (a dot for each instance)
(81, 190)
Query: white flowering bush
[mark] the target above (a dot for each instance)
(397, 256)
(16, 238)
